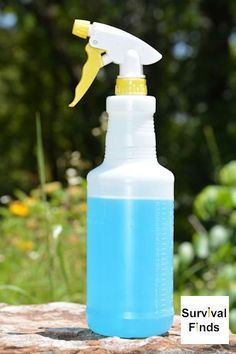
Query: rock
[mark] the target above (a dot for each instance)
(61, 328)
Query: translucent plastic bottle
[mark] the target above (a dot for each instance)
(130, 227)
(130, 196)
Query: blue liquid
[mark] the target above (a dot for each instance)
(130, 266)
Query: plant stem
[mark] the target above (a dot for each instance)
(42, 178)
(61, 259)
(213, 147)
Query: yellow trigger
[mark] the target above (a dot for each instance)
(89, 72)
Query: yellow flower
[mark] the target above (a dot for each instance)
(24, 245)
(18, 208)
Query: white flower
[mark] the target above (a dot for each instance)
(56, 231)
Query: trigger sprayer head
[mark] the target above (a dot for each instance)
(108, 44)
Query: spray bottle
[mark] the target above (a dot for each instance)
(130, 197)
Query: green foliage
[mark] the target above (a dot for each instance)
(207, 265)
(228, 175)
(216, 202)
(42, 229)
(43, 258)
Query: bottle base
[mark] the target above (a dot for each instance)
(129, 328)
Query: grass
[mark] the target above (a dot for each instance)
(28, 273)
(43, 243)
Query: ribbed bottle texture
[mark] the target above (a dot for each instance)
(130, 137)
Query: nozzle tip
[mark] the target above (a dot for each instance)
(81, 28)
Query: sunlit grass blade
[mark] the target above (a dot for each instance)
(61, 259)
(40, 156)
(42, 177)
(15, 289)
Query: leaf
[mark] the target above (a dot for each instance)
(227, 174)
(206, 202)
(232, 219)
(186, 253)
(201, 245)
(213, 200)
(228, 272)
(15, 289)
(218, 235)
(225, 198)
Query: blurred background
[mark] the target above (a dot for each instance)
(42, 229)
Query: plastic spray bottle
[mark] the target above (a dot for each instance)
(130, 197)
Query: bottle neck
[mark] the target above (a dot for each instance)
(130, 135)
